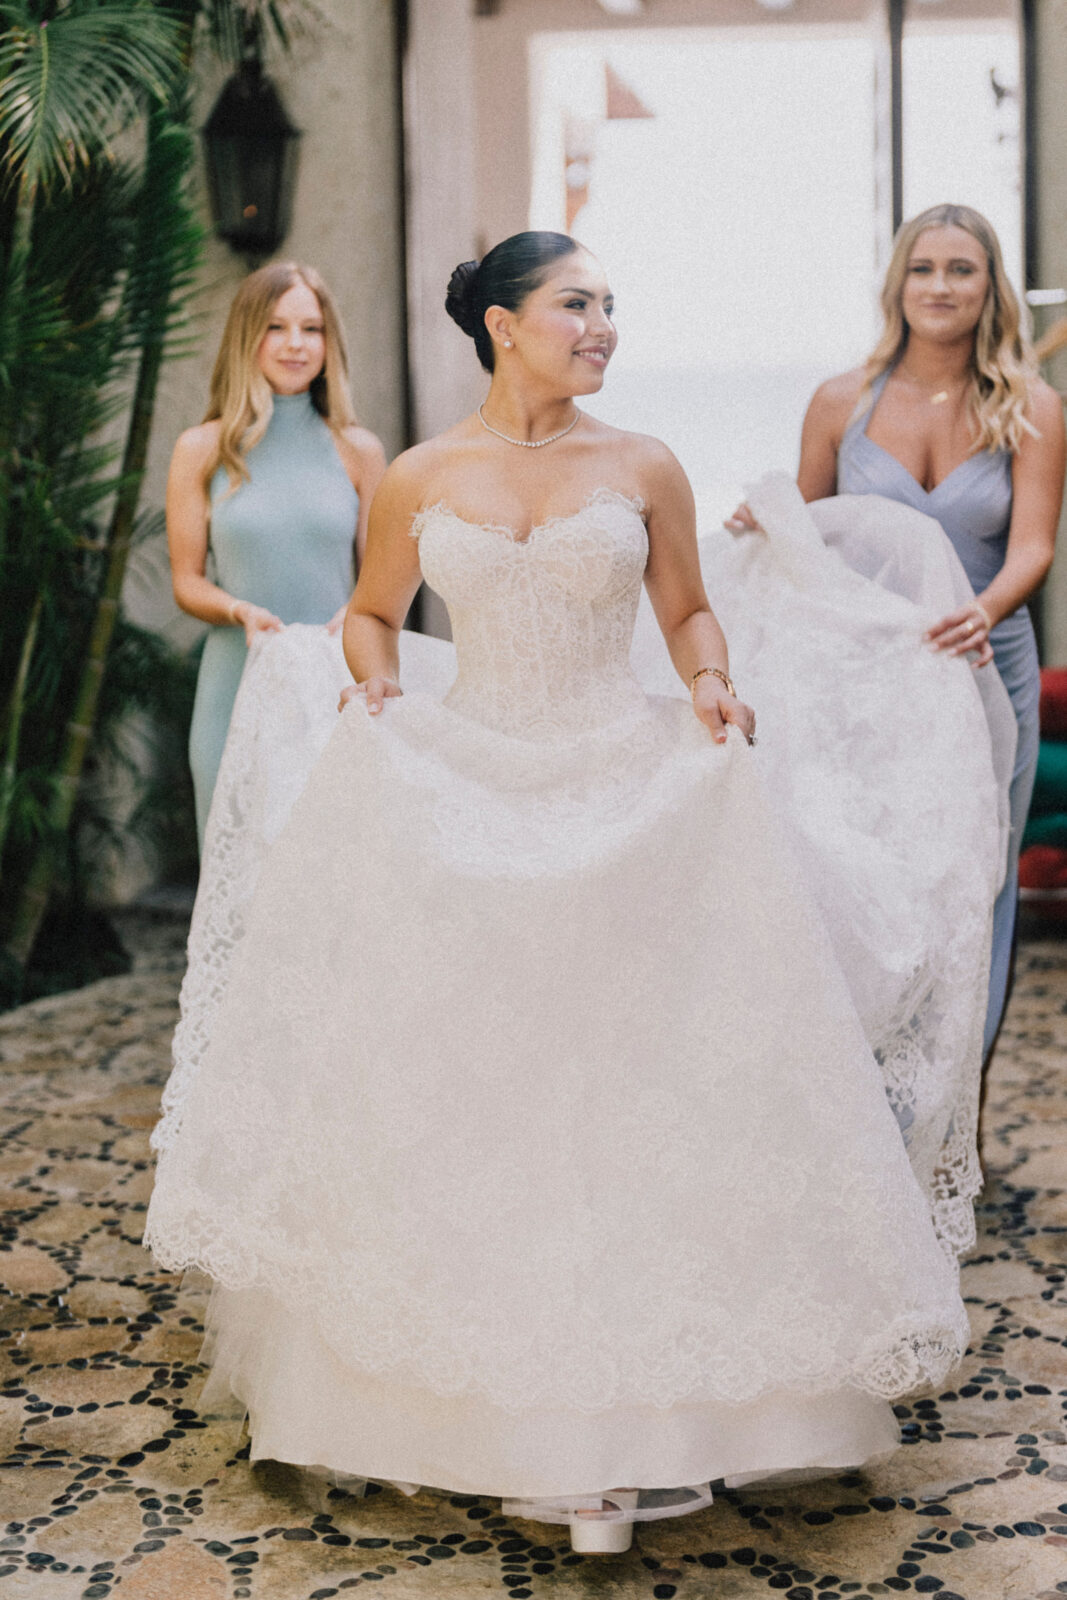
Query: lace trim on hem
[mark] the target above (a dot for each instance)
(910, 1353)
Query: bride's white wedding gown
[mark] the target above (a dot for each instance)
(524, 1116)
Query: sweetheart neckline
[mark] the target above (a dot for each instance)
(633, 501)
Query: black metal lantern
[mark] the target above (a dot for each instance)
(251, 151)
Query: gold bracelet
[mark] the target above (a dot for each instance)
(714, 672)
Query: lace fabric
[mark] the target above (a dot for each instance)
(530, 1070)
(890, 766)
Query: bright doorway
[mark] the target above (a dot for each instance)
(731, 180)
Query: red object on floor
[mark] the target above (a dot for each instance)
(1053, 713)
(1043, 866)
(1043, 882)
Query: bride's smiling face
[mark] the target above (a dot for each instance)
(563, 332)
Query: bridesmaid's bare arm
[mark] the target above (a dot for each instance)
(188, 519)
(364, 459)
(388, 582)
(825, 421)
(827, 417)
(1037, 495)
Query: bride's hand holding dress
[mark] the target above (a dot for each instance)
(375, 691)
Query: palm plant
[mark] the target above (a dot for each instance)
(61, 363)
(71, 78)
(163, 256)
(95, 281)
(66, 85)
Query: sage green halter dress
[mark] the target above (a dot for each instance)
(283, 539)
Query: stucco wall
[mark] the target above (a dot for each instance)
(340, 87)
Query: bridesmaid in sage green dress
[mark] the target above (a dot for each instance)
(272, 489)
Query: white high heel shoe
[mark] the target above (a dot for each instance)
(605, 1531)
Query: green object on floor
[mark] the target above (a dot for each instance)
(1050, 783)
(1051, 830)
(1047, 822)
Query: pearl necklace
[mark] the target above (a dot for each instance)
(530, 444)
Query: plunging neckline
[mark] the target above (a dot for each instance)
(929, 493)
(633, 501)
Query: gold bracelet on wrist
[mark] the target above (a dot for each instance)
(714, 672)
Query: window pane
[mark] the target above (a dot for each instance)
(962, 116)
(726, 179)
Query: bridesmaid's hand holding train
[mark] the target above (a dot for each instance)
(254, 619)
(742, 520)
(963, 632)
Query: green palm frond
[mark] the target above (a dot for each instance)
(236, 28)
(59, 352)
(97, 284)
(68, 83)
(82, 240)
(168, 238)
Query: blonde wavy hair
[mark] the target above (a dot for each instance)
(240, 396)
(1003, 364)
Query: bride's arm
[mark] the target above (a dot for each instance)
(388, 581)
(676, 588)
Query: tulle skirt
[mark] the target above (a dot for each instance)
(306, 1408)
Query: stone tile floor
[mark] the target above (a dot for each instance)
(112, 1484)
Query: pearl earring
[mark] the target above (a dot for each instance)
(507, 344)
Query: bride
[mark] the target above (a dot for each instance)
(535, 1145)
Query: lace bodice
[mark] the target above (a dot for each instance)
(543, 625)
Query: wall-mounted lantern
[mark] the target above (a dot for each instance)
(251, 149)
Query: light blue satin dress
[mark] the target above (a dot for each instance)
(284, 540)
(973, 505)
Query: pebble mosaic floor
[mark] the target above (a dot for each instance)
(111, 1484)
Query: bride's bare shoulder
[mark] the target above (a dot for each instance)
(647, 468)
(418, 465)
(653, 465)
(641, 451)
(421, 473)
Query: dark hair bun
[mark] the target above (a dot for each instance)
(461, 300)
(504, 276)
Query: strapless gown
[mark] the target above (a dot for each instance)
(524, 1118)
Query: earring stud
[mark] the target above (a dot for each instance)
(507, 344)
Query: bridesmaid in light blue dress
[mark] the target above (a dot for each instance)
(949, 416)
(271, 491)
